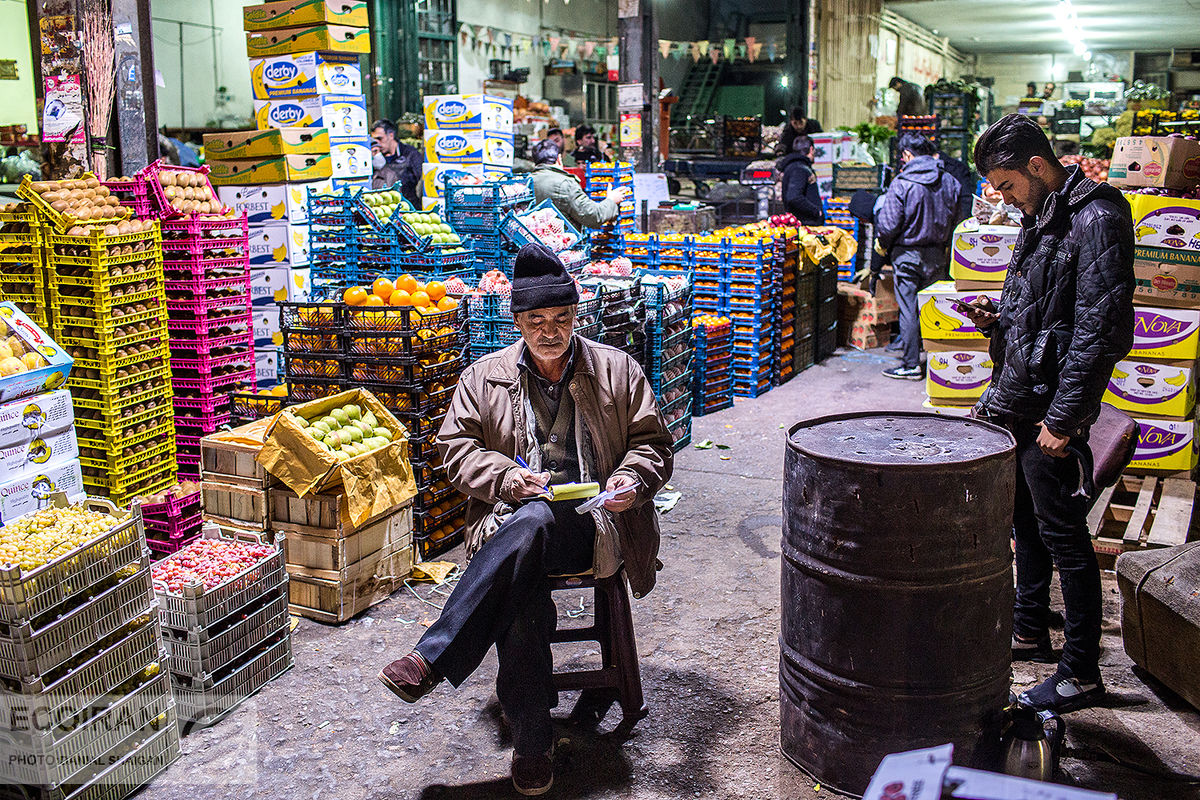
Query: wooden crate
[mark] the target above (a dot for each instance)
(320, 514)
(229, 456)
(1141, 512)
(337, 557)
(241, 506)
(339, 600)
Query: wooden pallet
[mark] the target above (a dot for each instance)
(1140, 512)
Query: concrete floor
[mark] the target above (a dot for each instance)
(707, 638)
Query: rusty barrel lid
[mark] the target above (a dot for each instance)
(901, 439)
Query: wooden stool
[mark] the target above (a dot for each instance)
(613, 631)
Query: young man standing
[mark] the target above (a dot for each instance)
(1065, 318)
(801, 196)
(394, 161)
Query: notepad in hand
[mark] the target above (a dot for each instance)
(574, 491)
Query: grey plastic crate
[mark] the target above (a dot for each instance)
(30, 649)
(209, 704)
(202, 654)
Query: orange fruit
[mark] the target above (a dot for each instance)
(400, 298)
(375, 300)
(436, 290)
(420, 299)
(356, 296)
(407, 282)
(446, 303)
(383, 287)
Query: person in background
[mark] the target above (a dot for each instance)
(1065, 319)
(799, 189)
(1031, 91)
(394, 161)
(551, 182)
(1048, 92)
(553, 408)
(912, 100)
(798, 125)
(913, 223)
(556, 135)
(587, 147)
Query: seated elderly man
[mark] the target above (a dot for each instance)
(574, 411)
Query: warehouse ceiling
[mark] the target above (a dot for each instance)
(1029, 26)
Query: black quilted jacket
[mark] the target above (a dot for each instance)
(1066, 313)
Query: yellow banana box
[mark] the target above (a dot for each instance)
(465, 112)
(957, 373)
(345, 115)
(1167, 277)
(281, 169)
(947, 409)
(1165, 221)
(304, 75)
(278, 244)
(1165, 445)
(293, 13)
(1155, 388)
(1170, 333)
(280, 202)
(939, 320)
(265, 143)
(468, 147)
(981, 252)
(300, 285)
(305, 39)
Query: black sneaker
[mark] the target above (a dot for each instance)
(904, 373)
(1062, 692)
(1039, 651)
(533, 775)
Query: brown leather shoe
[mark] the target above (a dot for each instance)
(532, 775)
(410, 678)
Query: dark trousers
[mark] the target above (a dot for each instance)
(914, 268)
(1050, 528)
(503, 598)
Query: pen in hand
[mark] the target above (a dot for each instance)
(525, 466)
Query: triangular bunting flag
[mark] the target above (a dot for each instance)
(664, 47)
(714, 53)
(589, 49)
(755, 50)
(727, 48)
(751, 53)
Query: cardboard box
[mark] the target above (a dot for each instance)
(859, 306)
(468, 147)
(1159, 161)
(466, 112)
(31, 491)
(265, 320)
(1155, 388)
(947, 409)
(23, 420)
(374, 482)
(939, 320)
(1166, 221)
(828, 147)
(351, 159)
(1166, 445)
(278, 244)
(434, 175)
(269, 285)
(268, 367)
(1167, 277)
(291, 13)
(281, 202)
(353, 184)
(23, 457)
(981, 252)
(281, 169)
(956, 372)
(344, 115)
(304, 75)
(304, 39)
(230, 456)
(1168, 333)
(260, 144)
(300, 286)
(31, 339)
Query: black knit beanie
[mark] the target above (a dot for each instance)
(541, 281)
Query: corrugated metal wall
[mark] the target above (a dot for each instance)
(847, 49)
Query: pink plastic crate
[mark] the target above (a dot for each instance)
(208, 249)
(213, 385)
(165, 542)
(175, 507)
(133, 194)
(205, 404)
(203, 286)
(197, 267)
(191, 333)
(161, 203)
(200, 426)
(217, 229)
(196, 308)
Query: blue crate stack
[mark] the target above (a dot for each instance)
(478, 209)
(598, 179)
(837, 215)
(670, 348)
(753, 296)
(712, 376)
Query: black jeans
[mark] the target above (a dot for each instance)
(914, 268)
(1050, 527)
(503, 598)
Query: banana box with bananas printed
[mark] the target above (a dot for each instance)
(19, 459)
(279, 202)
(1161, 389)
(957, 372)
(306, 39)
(281, 169)
(981, 252)
(469, 147)
(291, 13)
(269, 285)
(344, 115)
(1168, 333)
(22, 421)
(939, 319)
(1165, 221)
(230, 145)
(278, 244)
(1165, 445)
(469, 112)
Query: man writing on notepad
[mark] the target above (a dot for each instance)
(552, 409)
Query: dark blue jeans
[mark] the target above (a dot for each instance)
(503, 598)
(914, 268)
(1050, 528)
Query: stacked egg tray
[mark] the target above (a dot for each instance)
(22, 273)
(712, 383)
(172, 519)
(670, 349)
(207, 270)
(598, 179)
(86, 704)
(226, 642)
(109, 310)
(478, 209)
(837, 215)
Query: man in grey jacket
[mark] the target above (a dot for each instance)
(551, 182)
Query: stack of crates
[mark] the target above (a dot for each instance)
(670, 348)
(712, 384)
(477, 209)
(224, 643)
(172, 519)
(837, 215)
(622, 314)
(956, 121)
(212, 329)
(753, 292)
(804, 351)
(928, 126)
(313, 353)
(22, 274)
(787, 252)
(520, 227)
(598, 179)
(825, 309)
(490, 321)
(109, 308)
(675, 251)
(88, 705)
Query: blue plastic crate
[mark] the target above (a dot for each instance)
(518, 234)
(712, 405)
(503, 194)
(493, 333)
(752, 390)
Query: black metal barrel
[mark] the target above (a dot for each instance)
(897, 590)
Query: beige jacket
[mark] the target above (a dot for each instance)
(618, 428)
